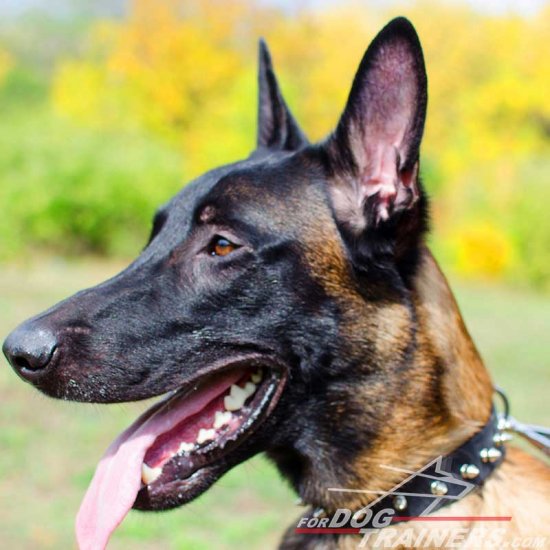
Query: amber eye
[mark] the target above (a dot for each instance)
(221, 247)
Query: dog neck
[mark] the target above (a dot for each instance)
(444, 398)
(466, 388)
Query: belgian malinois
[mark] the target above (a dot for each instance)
(289, 304)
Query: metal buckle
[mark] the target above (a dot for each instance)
(539, 436)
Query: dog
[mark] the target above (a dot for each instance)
(288, 304)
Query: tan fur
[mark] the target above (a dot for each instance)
(415, 434)
(468, 387)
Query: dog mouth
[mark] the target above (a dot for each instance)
(210, 434)
(180, 446)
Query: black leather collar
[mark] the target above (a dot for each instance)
(443, 481)
(446, 479)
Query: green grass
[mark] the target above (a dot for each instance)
(50, 448)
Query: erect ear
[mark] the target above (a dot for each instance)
(277, 128)
(375, 148)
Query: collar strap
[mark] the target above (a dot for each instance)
(444, 480)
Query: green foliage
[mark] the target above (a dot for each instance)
(104, 122)
(73, 190)
(529, 217)
(22, 89)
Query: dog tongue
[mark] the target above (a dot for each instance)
(117, 478)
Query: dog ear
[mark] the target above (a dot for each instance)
(277, 128)
(375, 148)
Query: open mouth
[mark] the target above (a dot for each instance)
(177, 448)
(213, 431)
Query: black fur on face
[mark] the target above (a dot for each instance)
(322, 241)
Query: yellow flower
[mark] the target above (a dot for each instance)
(482, 249)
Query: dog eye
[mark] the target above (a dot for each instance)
(221, 246)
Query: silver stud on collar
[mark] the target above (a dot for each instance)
(318, 512)
(500, 438)
(503, 423)
(490, 455)
(438, 488)
(469, 471)
(399, 503)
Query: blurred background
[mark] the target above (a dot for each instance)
(108, 107)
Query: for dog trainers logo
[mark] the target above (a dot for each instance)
(403, 504)
(373, 515)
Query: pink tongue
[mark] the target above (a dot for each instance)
(117, 478)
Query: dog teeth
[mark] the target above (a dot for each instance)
(221, 419)
(257, 376)
(237, 392)
(233, 402)
(205, 435)
(249, 388)
(186, 447)
(237, 396)
(148, 474)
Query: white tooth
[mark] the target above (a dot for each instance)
(186, 447)
(221, 419)
(257, 376)
(249, 388)
(236, 398)
(232, 404)
(237, 391)
(148, 474)
(205, 435)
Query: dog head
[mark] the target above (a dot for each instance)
(286, 276)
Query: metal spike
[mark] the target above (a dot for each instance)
(469, 471)
(503, 424)
(399, 503)
(438, 488)
(490, 455)
(501, 438)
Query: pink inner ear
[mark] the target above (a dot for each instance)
(390, 97)
(381, 177)
(381, 129)
(394, 189)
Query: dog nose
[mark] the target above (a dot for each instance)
(29, 349)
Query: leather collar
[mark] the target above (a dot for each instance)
(443, 481)
(448, 478)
